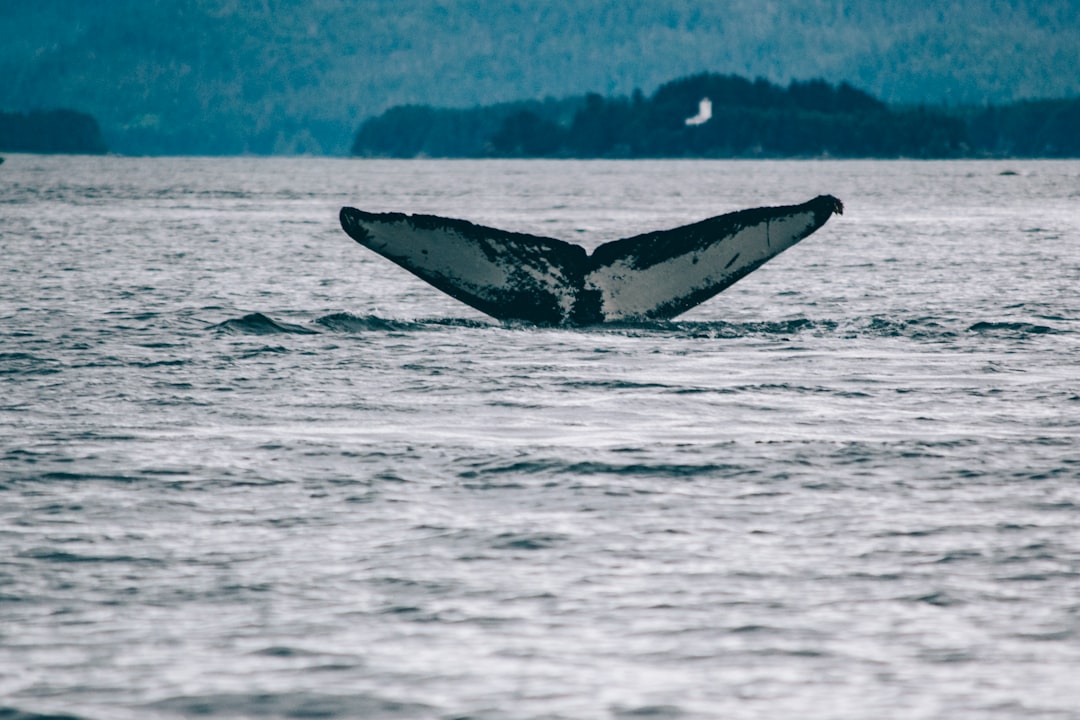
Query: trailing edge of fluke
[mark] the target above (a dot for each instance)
(655, 276)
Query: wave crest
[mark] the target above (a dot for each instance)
(259, 324)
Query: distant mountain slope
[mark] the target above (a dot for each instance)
(231, 76)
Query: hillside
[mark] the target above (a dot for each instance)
(288, 76)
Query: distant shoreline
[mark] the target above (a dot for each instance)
(281, 157)
(59, 131)
(744, 120)
(729, 117)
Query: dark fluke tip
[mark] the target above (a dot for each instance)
(835, 205)
(351, 225)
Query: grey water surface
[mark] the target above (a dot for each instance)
(249, 469)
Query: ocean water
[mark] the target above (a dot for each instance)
(248, 469)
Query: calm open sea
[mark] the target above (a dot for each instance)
(249, 469)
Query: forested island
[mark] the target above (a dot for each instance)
(51, 131)
(711, 115)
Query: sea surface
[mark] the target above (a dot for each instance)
(249, 469)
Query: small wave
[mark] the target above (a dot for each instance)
(60, 556)
(457, 322)
(259, 324)
(662, 712)
(527, 541)
(62, 476)
(719, 329)
(19, 363)
(939, 598)
(1013, 329)
(921, 328)
(673, 470)
(917, 328)
(348, 323)
(616, 385)
(596, 468)
(10, 713)
(283, 651)
(309, 705)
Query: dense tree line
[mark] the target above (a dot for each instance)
(1038, 128)
(420, 130)
(51, 131)
(748, 119)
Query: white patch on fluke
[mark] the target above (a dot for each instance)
(627, 293)
(442, 253)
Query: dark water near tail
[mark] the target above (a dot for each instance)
(249, 470)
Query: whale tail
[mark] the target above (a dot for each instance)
(516, 276)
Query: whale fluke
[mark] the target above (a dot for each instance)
(655, 276)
